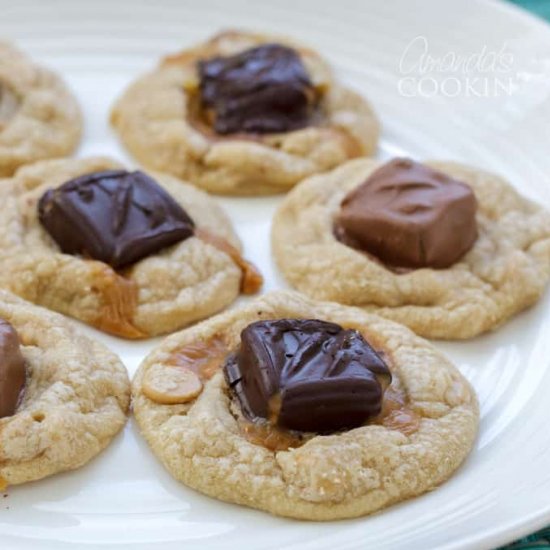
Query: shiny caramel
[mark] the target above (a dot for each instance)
(119, 301)
(269, 436)
(204, 358)
(252, 279)
(396, 413)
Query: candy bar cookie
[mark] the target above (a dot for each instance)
(39, 117)
(244, 114)
(129, 253)
(304, 409)
(63, 396)
(448, 250)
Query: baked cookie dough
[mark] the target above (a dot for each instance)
(74, 401)
(505, 271)
(198, 435)
(162, 292)
(156, 120)
(39, 117)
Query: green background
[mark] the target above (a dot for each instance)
(540, 7)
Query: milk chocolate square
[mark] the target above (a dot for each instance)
(409, 215)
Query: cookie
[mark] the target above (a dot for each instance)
(272, 128)
(426, 427)
(504, 267)
(165, 290)
(74, 401)
(39, 117)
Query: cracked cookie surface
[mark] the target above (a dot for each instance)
(338, 476)
(160, 293)
(154, 121)
(39, 117)
(75, 399)
(505, 271)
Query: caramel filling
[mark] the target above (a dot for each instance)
(181, 378)
(203, 119)
(119, 301)
(120, 294)
(252, 279)
(9, 103)
(204, 358)
(396, 413)
(269, 436)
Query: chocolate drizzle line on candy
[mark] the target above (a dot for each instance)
(12, 370)
(408, 215)
(306, 375)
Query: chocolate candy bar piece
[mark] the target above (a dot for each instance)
(307, 375)
(115, 216)
(410, 215)
(12, 369)
(261, 90)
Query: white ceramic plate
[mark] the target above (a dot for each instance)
(466, 80)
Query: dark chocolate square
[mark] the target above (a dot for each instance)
(114, 216)
(260, 90)
(307, 375)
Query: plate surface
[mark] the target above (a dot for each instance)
(465, 80)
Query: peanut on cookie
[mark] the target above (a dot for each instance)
(307, 409)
